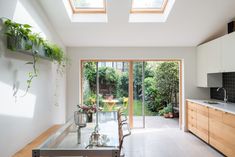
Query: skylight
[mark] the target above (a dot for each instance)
(148, 6)
(88, 6)
(150, 10)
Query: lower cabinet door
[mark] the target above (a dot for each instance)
(221, 135)
(202, 123)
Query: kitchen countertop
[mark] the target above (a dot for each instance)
(226, 107)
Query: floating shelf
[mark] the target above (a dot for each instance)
(20, 46)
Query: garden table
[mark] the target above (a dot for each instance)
(110, 103)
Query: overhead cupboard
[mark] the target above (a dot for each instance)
(214, 58)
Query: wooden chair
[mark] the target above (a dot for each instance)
(122, 123)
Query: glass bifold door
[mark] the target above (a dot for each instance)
(131, 85)
(110, 83)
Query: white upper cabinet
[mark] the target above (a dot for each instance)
(214, 58)
(201, 66)
(228, 53)
(209, 64)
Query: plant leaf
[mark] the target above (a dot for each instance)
(27, 26)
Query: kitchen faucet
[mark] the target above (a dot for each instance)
(225, 94)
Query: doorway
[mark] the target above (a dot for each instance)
(140, 97)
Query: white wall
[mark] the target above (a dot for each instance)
(24, 119)
(188, 55)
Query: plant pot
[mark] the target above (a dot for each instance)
(16, 43)
(170, 115)
(89, 117)
(166, 115)
(40, 50)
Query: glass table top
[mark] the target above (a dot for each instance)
(66, 137)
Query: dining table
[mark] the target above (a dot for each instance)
(64, 141)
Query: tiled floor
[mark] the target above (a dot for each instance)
(162, 138)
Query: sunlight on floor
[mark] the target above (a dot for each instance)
(23, 107)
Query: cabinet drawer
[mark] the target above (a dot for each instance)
(216, 115)
(192, 120)
(192, 113)
(192, 126)
(229, 119)
(192, 106)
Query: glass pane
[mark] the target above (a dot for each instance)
(113, 85)
(147, 4)
(161, 92)
(88, 4)
(137, 93)
(89, 83)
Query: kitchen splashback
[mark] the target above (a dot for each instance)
(229, 85)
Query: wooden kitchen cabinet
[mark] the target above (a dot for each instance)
(214, 126)
(229, 119)
(202, 122)
(191, 117)
(222, 131)
(215, 129)
(198, 120)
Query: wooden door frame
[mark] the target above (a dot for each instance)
(130, 61)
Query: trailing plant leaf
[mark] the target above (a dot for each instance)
(22, 38)
(33, 74)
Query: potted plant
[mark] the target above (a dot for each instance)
(89, 110)
(167, 111)
(21, 38)
(17, 35)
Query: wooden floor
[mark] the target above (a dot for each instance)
(27, 150)
(162, 138)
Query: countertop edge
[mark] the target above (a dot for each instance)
(201, 102)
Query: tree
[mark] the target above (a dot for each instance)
(90, 75)
(167, 78)
(108, 78)
(148, 72)
(162, 89)
(123, 86)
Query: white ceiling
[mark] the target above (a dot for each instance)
(190, 23)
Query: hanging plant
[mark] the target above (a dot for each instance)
(20, 38)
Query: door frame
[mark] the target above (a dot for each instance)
(130, 61)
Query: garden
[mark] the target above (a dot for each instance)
(161, 86)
